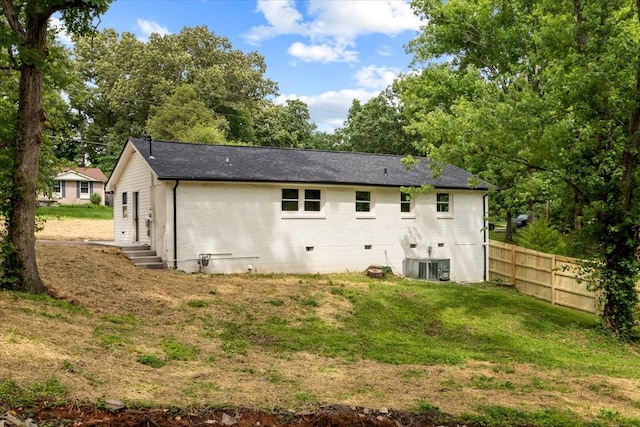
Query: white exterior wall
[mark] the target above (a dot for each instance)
(242, 225)
(136, 177)
(161, 201)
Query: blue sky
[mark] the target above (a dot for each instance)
(323, 52)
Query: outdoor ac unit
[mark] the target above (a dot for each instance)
(427, 269)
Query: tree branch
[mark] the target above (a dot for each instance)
(12, 18)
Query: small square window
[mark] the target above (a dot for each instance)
(443, 203)
(363, 201)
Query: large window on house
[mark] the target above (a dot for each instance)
(84, 189)
(57, 188)
(298, 200)
(443, 203)
(363, 201)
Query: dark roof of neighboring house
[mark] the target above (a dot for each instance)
(201, 162)
(93, 173)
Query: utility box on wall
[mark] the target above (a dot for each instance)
(427, 268)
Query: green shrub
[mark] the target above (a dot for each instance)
(542, 236)
(95, 199)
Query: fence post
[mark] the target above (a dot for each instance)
(513, 264)
(553, 279)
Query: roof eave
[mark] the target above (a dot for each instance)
(338, 183)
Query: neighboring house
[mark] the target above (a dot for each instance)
(75, 186)
(230, 209)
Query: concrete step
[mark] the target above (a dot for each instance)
(133, 248)
(152, 265)
(135, 254)
(144, 259)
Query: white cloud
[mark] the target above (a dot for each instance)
(282, 16)
(329, 110)
(332, 24)
(375, 77)
(322, 53)
(357, 17)
(146, 28)
(63, 37)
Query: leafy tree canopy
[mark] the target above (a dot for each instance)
(183, 111)
(377, 126)
(121, 79)
(526, 91)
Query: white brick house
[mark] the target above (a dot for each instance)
(229, 209)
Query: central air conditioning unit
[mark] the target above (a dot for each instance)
(427, 268)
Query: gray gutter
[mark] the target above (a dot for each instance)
(175, 225)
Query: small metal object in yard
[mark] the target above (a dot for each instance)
(375, 273)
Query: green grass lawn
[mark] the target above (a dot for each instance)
(416, 322)
(76, 211)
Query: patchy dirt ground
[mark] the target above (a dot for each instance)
(327, 416)
(76, 229)
(130, 312)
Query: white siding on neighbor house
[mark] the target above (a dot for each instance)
(242, 226)
(136, 177)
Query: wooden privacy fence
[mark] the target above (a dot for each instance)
(551, 278)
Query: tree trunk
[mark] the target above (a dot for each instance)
(26, 152)
(508, 230)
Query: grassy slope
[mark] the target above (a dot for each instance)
(172, 338)
(89, 211)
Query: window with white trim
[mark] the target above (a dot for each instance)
(363, 201)
(406, 205)
(297, 200)
(290, 199)
(57, 190)
(443, 203)
(84, 190)
(312, 200)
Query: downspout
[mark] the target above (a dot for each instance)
(175, 226)
(484, 235)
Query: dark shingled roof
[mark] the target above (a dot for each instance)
(199, 162)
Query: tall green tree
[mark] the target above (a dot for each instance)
(559, 96)
(287, 125)
(120, 80)
(377, 126)
(24, 33)
(183, 112)
(464, 118)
